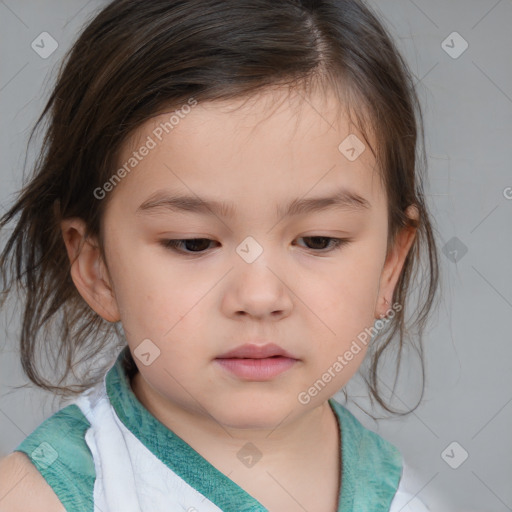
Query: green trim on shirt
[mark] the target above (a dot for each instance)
(58, 450)
(371, 466)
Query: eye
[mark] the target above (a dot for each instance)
(337, 243)
(194, 245)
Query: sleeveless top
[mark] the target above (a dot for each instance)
(107, 452)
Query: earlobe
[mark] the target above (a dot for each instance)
(88, 269)
(394, 264)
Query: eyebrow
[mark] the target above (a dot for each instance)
(162, 200)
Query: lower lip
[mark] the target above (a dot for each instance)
(257, 369)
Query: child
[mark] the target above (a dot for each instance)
(235, 183)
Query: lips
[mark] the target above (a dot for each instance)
(252, 362)
(253, 351)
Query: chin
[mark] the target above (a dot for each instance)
(256, 412)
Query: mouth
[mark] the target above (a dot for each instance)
(256, 362)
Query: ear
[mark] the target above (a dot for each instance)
(394, 263)
(88, 270)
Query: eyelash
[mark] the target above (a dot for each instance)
(174, 244)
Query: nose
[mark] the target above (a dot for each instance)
(257, 290)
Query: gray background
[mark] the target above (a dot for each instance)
(467, 103)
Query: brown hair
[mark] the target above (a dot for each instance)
(138, 58)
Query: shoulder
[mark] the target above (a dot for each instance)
(380, 463)
(23, 488)
(57, 456)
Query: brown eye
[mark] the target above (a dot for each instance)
(324, 243)
(192, 245)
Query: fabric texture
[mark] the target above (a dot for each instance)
(58, 450)
(107, 452)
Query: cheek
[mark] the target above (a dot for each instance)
(139, 283)
(156, 297)
(348, 292)
(345, 300)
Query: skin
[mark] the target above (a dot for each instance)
(312, 300)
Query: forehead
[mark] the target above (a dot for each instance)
(290, 144)
(293, 113)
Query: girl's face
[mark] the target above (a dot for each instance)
(269, 271)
